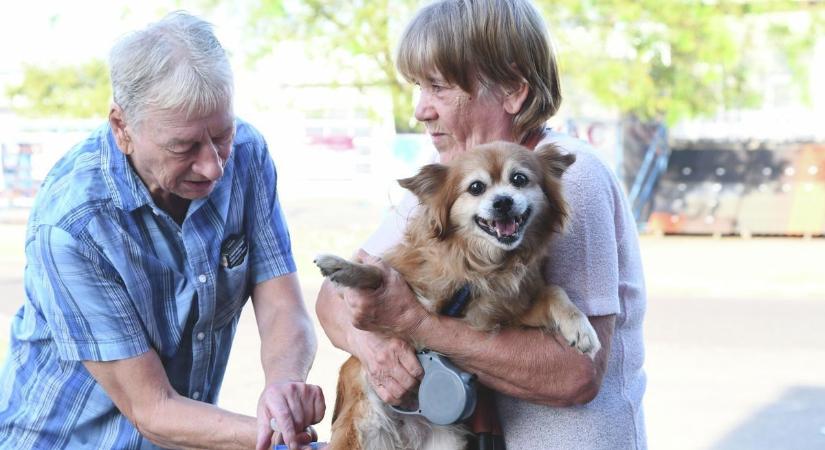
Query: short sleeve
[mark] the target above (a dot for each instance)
(270, 249)
(86, 306)
(583, 259)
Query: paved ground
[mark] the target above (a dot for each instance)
(734, 332)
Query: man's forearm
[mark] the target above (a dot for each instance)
(182, 423)
(141, 391)
(288, 349)
(525, 363)
(288, 342)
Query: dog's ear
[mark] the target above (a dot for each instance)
(426, 183)
(553, 161)
(429, 186)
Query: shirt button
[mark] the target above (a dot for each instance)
(202, 278)
(196, 395)
(155, 211)
(201, 335)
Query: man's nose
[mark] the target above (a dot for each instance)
(209, 163)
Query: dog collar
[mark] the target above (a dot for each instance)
(458, 302)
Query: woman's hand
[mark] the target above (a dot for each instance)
(391, 309)
(392, 368)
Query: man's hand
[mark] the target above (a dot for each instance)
(391, 309)
(294, 406)
(392, 367)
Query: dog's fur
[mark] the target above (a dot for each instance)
(493, 237)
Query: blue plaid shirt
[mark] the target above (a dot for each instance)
(109, 275)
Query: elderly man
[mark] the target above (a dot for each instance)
(142, 248)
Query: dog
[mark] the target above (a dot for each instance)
(484, 221)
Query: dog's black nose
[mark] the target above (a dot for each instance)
(502, 204)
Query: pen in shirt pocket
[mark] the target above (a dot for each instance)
(233, 251)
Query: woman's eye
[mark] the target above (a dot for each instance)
(476, 188)
(519, 179)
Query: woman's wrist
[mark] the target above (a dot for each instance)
(356, 340)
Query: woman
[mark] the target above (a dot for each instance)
(487, 72)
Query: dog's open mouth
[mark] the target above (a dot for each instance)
(506, 230)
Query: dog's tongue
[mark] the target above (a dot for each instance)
(506, 227)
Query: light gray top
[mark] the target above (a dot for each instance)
(597, 261)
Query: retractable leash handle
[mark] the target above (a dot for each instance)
(312, 445)
(446, 394)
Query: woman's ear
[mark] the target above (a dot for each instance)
(514, 98)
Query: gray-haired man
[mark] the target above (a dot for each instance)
(144, 244)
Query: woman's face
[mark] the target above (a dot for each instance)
(457, 120)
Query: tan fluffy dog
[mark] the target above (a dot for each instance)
(485, 219)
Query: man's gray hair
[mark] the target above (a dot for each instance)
(175, 64)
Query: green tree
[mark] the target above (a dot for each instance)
(356, 38)
(675, 59)
(656, 59)
(80, 91)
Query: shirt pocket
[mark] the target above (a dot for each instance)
(233, 281)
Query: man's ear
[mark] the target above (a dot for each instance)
(118, 124)
(514, 98)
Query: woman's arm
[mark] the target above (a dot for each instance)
(526, 363)
(391, 364)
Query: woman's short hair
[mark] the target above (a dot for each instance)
(477, 44)
(174, 64)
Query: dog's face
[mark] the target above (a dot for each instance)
(498, 199)
(498, 194)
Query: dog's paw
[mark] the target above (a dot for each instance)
(579, 333)
(348, 273)
(330, 264)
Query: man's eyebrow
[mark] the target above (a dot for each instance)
(227, 130)
(180, 142)
(177, 142)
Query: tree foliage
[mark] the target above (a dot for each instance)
(672, 59)
(356, 39)
(80, 91)
(656, 59)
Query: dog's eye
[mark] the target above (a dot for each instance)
(519, 179)
(476, 188)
